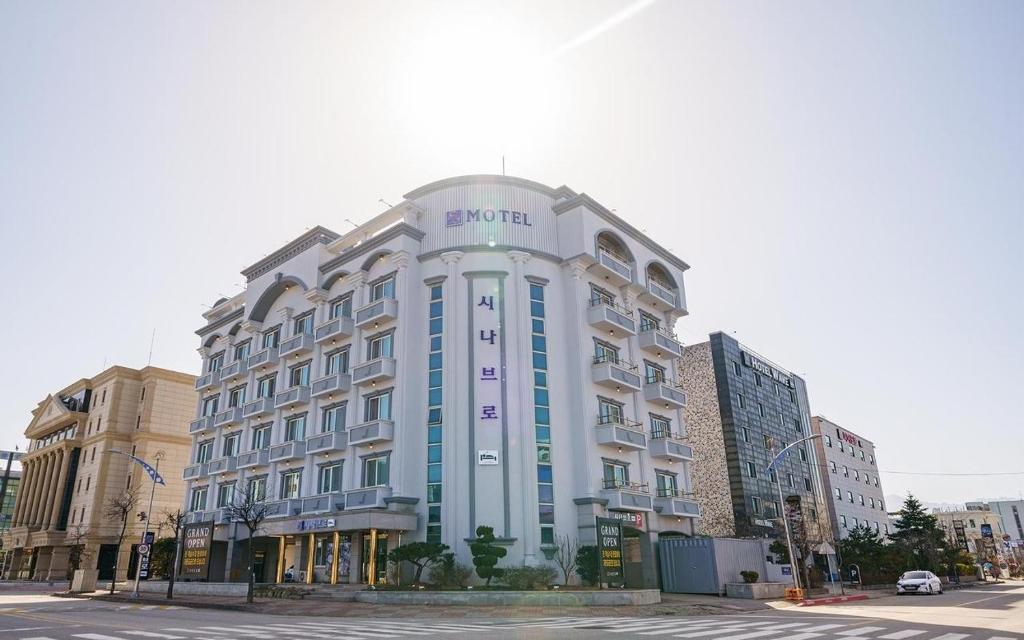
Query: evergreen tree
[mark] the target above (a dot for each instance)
(486, 554)
(918, 537)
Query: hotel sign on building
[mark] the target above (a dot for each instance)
(765, 369)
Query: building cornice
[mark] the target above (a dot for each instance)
(511, 181)
(583, 200)
(237, 314)
(400, 229)
(316, 235)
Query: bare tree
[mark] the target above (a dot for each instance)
(565, 556)
(175, 521)
(77, 553)
(119, 508)
(248, 508)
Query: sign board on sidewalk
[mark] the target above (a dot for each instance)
(195, 553)
(145, 550)
(609, 548)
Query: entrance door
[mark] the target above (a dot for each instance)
(105, 561)
(632, 558)
(259, 564)
(380, 560)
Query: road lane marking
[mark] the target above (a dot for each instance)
(94, 636)
(825, 627)
(906, 633)
(753, 634)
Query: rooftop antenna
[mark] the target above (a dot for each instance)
(502, 165)
(352, 223)
(152, 339)
(385, 203)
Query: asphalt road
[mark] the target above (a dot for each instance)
(987, 613)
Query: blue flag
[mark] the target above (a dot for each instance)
(153, 475)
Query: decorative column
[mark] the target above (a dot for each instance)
(402, 347)
(522, 402)
(22, 497)
(62, 477)
(450, 443)
(629, 297)
(572, 273)
(46, 504)
(45, 465)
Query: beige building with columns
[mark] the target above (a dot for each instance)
(68, 479)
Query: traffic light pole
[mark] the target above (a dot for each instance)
(145, 535)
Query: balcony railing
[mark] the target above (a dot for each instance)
(377, 312)
(664, 393)
(258, 407)
(615, 431)
(336, 383)
(615, 373)
(663, 293)
(257, 458)
(373, 371)
(223, 465)
(334, 330)
(608, 316)
(613, 267)
(201, 424)
(325, 442)
(371, 432)
(284, 508)
(264, 358)
(208, 380)
(233, 370)
(296, 345)
(194, 471)
(660, 342)
(229, 417)
(288, 451)
(325, 502)
(367, 498)
(627, 496)
(290, 398)
(674, 502)
(669, 446)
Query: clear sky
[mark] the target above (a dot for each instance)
(845, 178)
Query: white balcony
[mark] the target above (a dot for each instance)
(612, 268)
(367, 433)
(229, 417)
(367, 498)
(663, 393)
(627, 497)
(207, 381)
(657, 292)
(624, 434)
(195, 517)
(249, 459)
(676, 503)
(223, 465)
(615, 374)
(296, 346)
(376, 313)
(612, 318)
(284, 508)
(334, 384)
(200, 425)
(236, 369)
(669, 447)
(195, 471)
(288, 451)
(334, 331)
(259, 407)
(660, 343)
(264, 358)
(292, 397)
(324, 503)
(373, 371)
(326, 442)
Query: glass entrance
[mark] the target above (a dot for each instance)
(375, 558)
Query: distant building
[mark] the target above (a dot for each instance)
(741, 409)
(10, 495)
(1012, 514)
(975, 529)
(68, 477)
(849, 473)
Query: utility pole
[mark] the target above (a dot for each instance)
(149, 514)
(782, 507)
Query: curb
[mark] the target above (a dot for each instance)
(162, 601)
(835, 600)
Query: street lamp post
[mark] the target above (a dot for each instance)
(154, 476)
(782, 508)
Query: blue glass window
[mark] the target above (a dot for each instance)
(433, 473)
(543, 473)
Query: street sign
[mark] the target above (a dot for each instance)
(143, 549)
(144, 557)
(609, 548)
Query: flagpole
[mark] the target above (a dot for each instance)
(149, 514)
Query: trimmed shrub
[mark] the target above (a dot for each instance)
(529, 578)
(486, 554)
(449, 574)
(749, 576)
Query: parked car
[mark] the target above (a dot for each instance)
(918, 582)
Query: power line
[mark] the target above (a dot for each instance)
(937, 473)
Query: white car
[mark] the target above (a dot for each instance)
(918, 582)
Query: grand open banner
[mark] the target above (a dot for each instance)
(195, 551)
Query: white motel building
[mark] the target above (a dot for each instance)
(491, 351)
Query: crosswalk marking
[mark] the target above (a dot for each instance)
(906, 633)
(824, 627)
(153, 634)
(950, 636)
(862, 630)
(94, 636)
(752, 634)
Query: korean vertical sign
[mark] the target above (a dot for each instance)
(488, 406)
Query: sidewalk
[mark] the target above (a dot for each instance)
(672, 605)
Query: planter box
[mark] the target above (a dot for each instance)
(84, 580)
(756, 590)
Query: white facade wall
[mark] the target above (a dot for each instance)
(537, 236)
